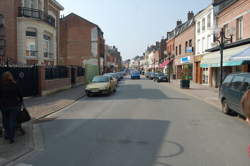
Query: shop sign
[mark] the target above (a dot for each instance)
(185, 59)
(189, 49)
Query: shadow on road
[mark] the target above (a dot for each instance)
(106, 142)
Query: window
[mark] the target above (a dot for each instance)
(198, 46)
(1, 20)
(237, 83)
(186, 45)
(176, 50)
(203, 45)
(31, 42)
(209, 41)
(203, 25)
(227, 81)
(239, 29)
(246, 84)
(198, 27)
(209, 20)
(180, 49)
(190, 43)
(47, 46)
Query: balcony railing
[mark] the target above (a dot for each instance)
(31, 53)
(36, 14)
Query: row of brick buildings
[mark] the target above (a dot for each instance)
(190, 48)
(32, 32)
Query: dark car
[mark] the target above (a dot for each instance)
(232, 90)
(161, 77)
(152, 75)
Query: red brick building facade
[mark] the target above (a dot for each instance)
(79, 38)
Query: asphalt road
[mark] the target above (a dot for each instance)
(143, 124)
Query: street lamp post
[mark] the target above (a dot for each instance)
(221, 39)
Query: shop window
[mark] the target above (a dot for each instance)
(239, 28)
(237, 83)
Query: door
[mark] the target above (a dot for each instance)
(235, 92)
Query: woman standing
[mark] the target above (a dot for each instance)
(10, 102)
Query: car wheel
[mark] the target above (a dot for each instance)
(225, 107)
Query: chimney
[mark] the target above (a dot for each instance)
(190, 15)
(179, 22)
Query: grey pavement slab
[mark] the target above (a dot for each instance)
(143, 124)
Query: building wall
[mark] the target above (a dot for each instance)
(76, 42)
(171, 46)
(181, 39)
(9, 9)
(41, 27)
(241, 8)
(204, 34)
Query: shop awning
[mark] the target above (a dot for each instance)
(244, 55)
(213, 59)
(165, 63)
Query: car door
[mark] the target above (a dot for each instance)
(235, 92)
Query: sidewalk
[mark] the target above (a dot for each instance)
(38, 107)
(202, 92)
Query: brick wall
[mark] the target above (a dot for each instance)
(230, 15)
(9, 9)
(75, 34)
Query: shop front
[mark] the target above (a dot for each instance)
(234, 60)
(184, 67)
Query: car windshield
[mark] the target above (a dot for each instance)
(100, 79)
(160, 74)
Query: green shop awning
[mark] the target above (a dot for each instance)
(213, 59)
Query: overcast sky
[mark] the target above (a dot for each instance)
(132, 25)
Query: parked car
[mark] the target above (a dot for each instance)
(135, 75)
(161, 77)
(114, 79)
(152, 75)
(100, 85)
(233, 88)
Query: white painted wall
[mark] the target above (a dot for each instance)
(204, 39)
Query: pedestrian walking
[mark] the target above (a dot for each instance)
(245, 105)
(10, 103)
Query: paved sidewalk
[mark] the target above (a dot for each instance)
(202, 92)
(38, 107)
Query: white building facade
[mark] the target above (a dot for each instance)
(204, 23)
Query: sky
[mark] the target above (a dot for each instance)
(132, 25)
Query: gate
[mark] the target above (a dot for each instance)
(73, 76)
(26, 78)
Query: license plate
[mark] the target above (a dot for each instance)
(95, 91)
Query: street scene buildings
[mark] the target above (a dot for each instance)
(69, 96)
(191, 50)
